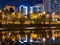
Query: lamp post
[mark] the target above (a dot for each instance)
(44, 17)
(50, 18)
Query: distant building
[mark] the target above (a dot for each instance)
(23, 9)
(51, 5)
(31, 9)
(55, 6)
(58, 6)
(46, 5)
(38, 8)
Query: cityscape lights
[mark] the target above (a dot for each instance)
(44, 39)
(23, 9)
(36, 25)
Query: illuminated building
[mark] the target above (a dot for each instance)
(38, 8)
(23, 9)
(51, 5)
(46, 5)
(31, 9)
(58, 6)
(55, 6)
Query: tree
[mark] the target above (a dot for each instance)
(11, 10)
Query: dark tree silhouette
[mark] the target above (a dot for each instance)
(11, 10)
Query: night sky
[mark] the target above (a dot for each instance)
(17, 3)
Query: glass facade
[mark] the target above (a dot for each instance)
(52, 5)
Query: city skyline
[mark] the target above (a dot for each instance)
(17, 3)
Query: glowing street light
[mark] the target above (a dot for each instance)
(53, 38)
(44, 12)
(44, 39)
(0, 11)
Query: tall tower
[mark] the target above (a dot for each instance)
(46, 5)
(55, 6)
(23, 9)
(51, 5)
(58, 6)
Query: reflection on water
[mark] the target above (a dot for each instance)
(30, 38)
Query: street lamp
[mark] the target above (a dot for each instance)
(43, 16)
(44, 12)
(44, 39)
(0, 10)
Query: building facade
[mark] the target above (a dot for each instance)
(51, 5)
(38, 8)
(58, 6)
(46, 5)
(25, 10)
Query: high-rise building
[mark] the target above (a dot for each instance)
(51, 5)
(26, 10)
(23, 9)
(31, 9)
(46, 5)
(58, 6)
(38, 8)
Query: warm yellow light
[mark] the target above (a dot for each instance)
(34, 35)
